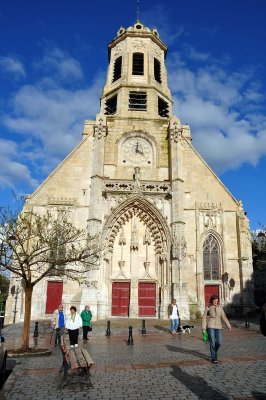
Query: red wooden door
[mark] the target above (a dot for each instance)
(147, 299)
(54, 296)
(209, 290)
(120, 299)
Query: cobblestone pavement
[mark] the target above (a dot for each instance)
(157, 366)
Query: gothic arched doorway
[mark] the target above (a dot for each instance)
(137, 240)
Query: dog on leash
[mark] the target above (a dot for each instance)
(185, 328)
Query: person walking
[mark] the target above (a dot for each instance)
(73, 324)
(173, 314)
(58, 324)
(86, 317)
(212, 322)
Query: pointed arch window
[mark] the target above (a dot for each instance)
(138, 64)
(211, 258)
(117, 69)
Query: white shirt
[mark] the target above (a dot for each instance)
(174, 312)
(74, 324)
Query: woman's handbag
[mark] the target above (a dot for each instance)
(89, 328)
(205, 336)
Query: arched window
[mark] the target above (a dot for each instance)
(211, 258)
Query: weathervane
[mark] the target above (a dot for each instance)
(138, 1)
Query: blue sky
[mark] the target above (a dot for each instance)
(53, 64)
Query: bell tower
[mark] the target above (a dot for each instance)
(136, 84)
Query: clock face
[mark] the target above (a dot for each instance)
(137, 151)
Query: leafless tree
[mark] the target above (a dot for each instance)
(33, 246)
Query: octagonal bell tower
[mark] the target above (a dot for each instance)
(136, 82)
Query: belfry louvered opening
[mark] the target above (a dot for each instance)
(157, 70)
(163, 108)
(138, 101)
(138, 64)
(117, 69)
(110, 105)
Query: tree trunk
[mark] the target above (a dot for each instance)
(27, 315)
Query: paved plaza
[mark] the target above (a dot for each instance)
(157, 366)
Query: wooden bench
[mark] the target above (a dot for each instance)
(76, 365)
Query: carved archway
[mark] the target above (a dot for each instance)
(137, 206)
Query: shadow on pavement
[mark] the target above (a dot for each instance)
(259, 395)
(162, 328)
(187, 351)
(197, 385)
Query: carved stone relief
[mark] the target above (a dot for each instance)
(119, 49)
(129, 212)
(210, 217)
(157, 52)
(176, 132)
(100, 129)
(138, 45)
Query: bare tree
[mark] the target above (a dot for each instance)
(33, 246)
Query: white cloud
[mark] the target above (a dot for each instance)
(223, 109)
(48, 117)
(13, 172)
(60, 65)
(53, 116)
(12, 66)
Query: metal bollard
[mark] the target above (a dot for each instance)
(247, 321)
(130, 337)
(36, 330)
(143, 330)
(108, 330)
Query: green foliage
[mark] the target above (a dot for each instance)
(194, 310)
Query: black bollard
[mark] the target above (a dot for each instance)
(36, 330)
(143, 330)
(130, 337)
(247, 321)
(108, 330)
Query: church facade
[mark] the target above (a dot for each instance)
(168, 226)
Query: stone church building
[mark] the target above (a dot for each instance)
(168, 225)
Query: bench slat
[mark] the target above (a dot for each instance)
(79, 358)
(87, 357)
(73, 361)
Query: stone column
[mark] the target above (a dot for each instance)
(95, 210)
(134, 260)
(96, 199)
(177, 222)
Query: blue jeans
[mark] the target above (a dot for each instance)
(215, 338)
(174, 324)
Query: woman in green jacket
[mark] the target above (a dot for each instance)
(86, 317)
